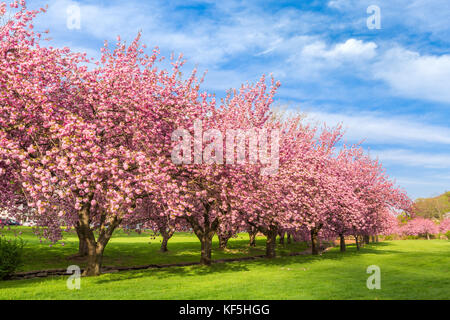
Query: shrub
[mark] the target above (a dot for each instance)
(447, 234)
(11, 256)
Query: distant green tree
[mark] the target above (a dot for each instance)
(433, 208)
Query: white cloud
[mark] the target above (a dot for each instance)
(354, 48)
(412, 158)
(410, 74)
(339, 4)
(245, 30)
(425, 16)
(415, 16)
(313, 59)
(384, 129)
(423, 186)
(239, 29)
(350, 49)
(235, 28)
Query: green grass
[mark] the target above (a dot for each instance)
(410, 269)
(134, 249)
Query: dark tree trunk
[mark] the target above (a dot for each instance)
(271, 243)
(95, 258)
(289, 240)
(166, 235)
(315, 241)
(342, 242)
(223, 243)
(366, 239)
(164, 245)
(252, 234)
(223, 239)
(82, 243)
(206, 241)
(281, 234)
(357, 242)
(95, 251)
(376, 238)
(204, 233)
(95, 247)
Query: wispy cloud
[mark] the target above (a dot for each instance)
(287, 36)
(377, 128)
(414, 158)
(411, 74)
(322, 52)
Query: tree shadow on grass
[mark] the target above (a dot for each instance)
(191, 254)
(134, 250)
(245, 265)
(396, 273)
(162, 273)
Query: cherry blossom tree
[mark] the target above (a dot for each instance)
(444, 226)
(86, 146)
(208, 186)
(420, 227)
(313, 187)
(375, 195)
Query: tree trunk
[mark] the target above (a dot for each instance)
(376, 238)
(95, 258)
(271, 243)
(357, 242)
(428, 236)
(95, 253)
(366, 239)
(314, 241)
(282, 237)
(95, 247)
(93, 267)
(204, 233)
(82, 243)
(223, 241)
(289, 240)
(164, 245)
(166, 235)
(252, 234)
(206, 241)
(342, 242)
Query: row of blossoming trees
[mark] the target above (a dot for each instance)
(92, 148)
(421, 227)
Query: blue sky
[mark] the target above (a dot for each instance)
(389, 87)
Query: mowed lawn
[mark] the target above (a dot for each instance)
(132, 249)
(410, 269)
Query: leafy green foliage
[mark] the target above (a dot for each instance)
(435, 207)
(11, 256)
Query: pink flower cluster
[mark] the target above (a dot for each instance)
(420, 227)
(444, 226)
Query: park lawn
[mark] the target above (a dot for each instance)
(410, 269)
(132, 249)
